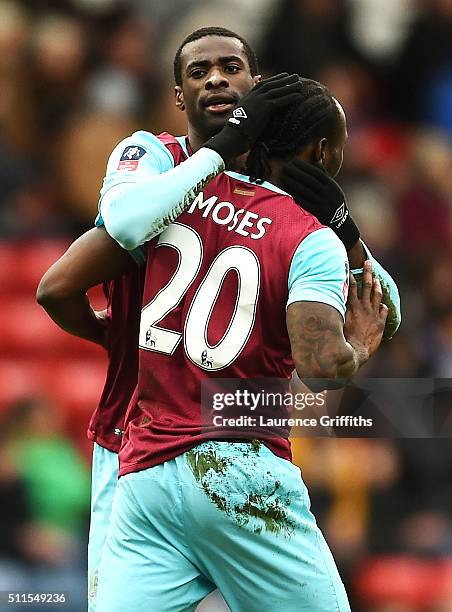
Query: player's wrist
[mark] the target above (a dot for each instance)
(361, 352)
(97, 327)
(347, 232)
(229, 143)
(357, 256)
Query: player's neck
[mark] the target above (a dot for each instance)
(196, 141)
(276, 168)
(277, 165)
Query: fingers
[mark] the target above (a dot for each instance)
(275, 77)
(286, 99)
(383, 312)
(367, 281)
(294, 90)
(277, 81)
(352, 298)
(376, 294)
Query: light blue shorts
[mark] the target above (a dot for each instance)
(103, 486)
(227, 514)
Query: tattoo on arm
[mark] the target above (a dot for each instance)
(317, 339)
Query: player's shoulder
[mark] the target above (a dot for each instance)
(147, 140)
(176, 145)
(141, 147)
(279, 204)
(269, 192)
(168, 139)
(161, 140)
(324, 240)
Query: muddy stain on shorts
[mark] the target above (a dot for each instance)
(259, 504)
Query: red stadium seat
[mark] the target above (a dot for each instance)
(36, 258)
(443, 582)
(74, 387)
(9, 277)
(403, 580)
(25, 329)
(78, 384)
(71, 383)
(19, 379)
(36, 357)
(22, 264)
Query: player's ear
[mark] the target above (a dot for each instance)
(180, 104)
(320, 151)
(256, 79)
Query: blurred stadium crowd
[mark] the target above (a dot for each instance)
(76, 76)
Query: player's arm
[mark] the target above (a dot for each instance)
(322, 347)
(319, 347)
(134, 211)
(91, 259)
(322, 196)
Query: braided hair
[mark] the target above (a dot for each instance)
(316, 115)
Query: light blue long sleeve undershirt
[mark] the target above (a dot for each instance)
(136, 207)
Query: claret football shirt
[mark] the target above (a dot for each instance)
(217, 285)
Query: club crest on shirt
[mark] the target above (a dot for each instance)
(130, 158)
